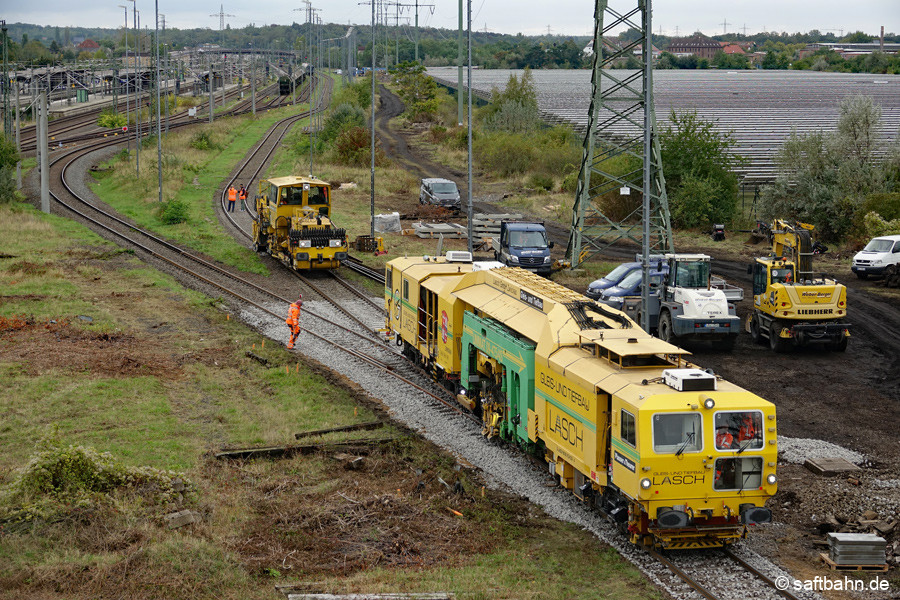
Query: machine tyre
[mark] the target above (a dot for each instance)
(665, 332)
(754, 330)
(776, 342)
(839, 346)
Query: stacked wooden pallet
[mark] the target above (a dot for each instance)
(487, 226)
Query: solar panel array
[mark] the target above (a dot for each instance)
(759, 107)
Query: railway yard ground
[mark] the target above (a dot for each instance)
(162, 376)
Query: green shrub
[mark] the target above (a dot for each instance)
(458, 139)
(513, 116)
(569, 183)
(437, 134)
(352, 148)
(111, 120)
(203, 140)
(174, 211)
(876, 226)
(505, 153)
(342, 117)
(359, 93)
(701, 201)
(539, 181)
(59, 478)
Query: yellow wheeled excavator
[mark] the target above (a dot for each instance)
(792, 305)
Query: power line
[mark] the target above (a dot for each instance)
(221, 14)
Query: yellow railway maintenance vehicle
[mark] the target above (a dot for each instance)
(293, 223)
(679, 458)
(791, 304)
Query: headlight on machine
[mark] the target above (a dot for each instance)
(513, 259)
(305, 244)
(645, 483)
(709, 403)
(335, 243)
(771, 479)
(548, 260)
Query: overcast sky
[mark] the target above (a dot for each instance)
(530, 17)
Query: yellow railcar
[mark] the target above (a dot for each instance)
(293, 223)
(677, 456)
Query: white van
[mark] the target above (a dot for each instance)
(878, 254)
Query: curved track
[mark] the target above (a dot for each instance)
(202, 273)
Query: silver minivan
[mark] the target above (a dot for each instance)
(440, 192)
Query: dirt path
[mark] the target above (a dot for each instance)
(397, 149)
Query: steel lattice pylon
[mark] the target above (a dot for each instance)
(619, 99)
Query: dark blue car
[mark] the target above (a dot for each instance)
(596, 288)
(630, 286)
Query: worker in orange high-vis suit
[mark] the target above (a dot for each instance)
(232, 196)
(293, 320)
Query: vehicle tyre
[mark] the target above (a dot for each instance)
(891, 276)
(754, 329)
(839, 346)
(665, 332)
(260, 245)
(776, 342)
(862, 275)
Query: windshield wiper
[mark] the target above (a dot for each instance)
(746, 445)
(688, 437)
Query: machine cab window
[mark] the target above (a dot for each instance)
(739, 430)
(627, 431)
(738, 473)
(317, 196)
(677, 433)
(783, 275)
(290, 196)
(691, 274)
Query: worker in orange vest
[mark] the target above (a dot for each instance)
(748, 428)
(242, 194)
(724, 439)
(293, 320)
(232, 196)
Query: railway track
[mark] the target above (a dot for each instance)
(711, 575)
(88, 121)
(249, 170)
(363, 347)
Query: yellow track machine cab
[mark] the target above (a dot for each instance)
(293, 223)
(678, 457)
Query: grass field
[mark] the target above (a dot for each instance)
(99, 351)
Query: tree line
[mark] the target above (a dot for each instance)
(34, 44)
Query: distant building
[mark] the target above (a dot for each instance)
(697, 45)
(847, 49)
(732, 49)
(88, 45)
